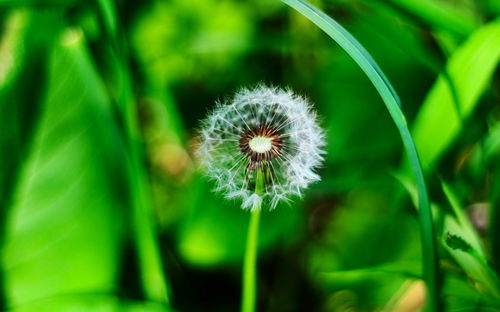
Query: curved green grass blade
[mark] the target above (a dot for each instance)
(351, 46)
(392, 102)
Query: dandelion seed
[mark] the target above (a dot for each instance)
(267, 130)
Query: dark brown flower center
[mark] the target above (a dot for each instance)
(261, 143)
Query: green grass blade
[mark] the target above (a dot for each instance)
(391, 100)
(107, 10)
(473, 264)
(470, 68)
(470, 233)
(153, 276)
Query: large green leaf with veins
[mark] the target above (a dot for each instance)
(64, 229)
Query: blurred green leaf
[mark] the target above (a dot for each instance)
(440, 15)
(462, 296)
(470, 68)
(65, 230)
(470, 233)
(474, 265)
(24, 52)
(23, 49)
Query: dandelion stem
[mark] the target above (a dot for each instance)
(250, 261)
(250, 264)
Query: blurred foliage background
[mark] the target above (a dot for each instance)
(102, 207)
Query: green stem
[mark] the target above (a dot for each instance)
(250, 261)
(250, 264)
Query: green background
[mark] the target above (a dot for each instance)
(103, 208)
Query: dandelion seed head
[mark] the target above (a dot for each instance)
(267, 129)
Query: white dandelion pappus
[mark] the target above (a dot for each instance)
(267, 129)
